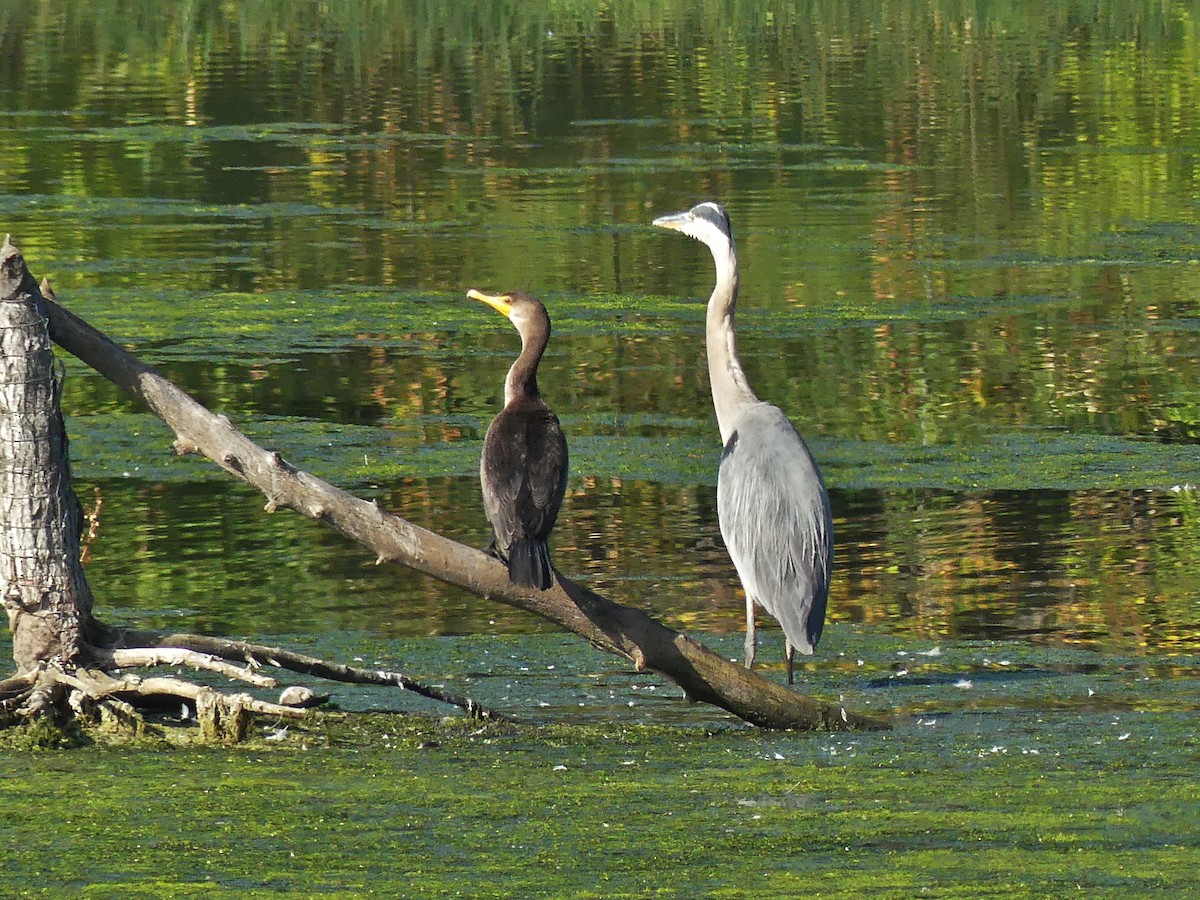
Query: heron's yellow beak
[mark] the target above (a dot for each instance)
(497, 302)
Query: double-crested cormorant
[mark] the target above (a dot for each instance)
(771, 502)
(523, 469)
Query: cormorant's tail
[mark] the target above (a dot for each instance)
(529, 564)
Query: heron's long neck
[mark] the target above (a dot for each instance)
(522, 377)
(730, 389)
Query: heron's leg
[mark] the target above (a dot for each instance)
(751, 644)
(790, 654)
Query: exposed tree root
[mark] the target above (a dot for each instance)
(37, 692)
(17, 685)
(260, 655)
(148, 657)
(105, 693)
(117, 699)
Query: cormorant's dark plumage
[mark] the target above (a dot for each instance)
(523, 469)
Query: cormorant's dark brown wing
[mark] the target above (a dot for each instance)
(547, 473)
(523, 472)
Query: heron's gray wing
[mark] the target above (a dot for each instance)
(776, 521)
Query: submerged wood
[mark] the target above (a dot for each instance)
(704, 675)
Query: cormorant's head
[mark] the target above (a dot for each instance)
(525, 311)
(707, 223)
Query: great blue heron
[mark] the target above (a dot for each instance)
(771, 502)
(523, 469)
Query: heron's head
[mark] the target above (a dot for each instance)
(707, 223)
(525, 311)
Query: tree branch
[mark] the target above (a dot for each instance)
(260, 655)
(145, 657)
(186, 690)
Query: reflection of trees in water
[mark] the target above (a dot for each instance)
(956, 226)
(1113, 570)
(1093, 568)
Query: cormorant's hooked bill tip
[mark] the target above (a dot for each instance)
(498, 302)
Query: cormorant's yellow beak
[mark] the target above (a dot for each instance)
(498, 302)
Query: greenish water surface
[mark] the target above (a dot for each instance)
(969, 274)
(972, 806)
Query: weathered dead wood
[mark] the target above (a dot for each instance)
(617, 629)
(18, 685)
(42, 700)
(42, 585)
(149, 657)
(117, 715)
(222, 717)
(280, 657)
(186, 690)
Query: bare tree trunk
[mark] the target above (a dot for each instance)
(627, 632)
(42, 584)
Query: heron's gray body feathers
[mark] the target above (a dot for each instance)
(771, 502)
(776, 521)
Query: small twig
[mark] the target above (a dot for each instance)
(258, 654)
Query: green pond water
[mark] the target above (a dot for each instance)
(968, 235)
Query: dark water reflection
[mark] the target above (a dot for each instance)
(1103, 570)
(969, 248)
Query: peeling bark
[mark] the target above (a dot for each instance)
(42, 585)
